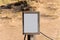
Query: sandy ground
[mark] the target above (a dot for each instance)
(11, 27)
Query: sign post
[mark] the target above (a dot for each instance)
(30, 37)
(31, 24)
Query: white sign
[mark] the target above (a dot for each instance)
(30, 22)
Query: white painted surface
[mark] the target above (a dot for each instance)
(31, 23)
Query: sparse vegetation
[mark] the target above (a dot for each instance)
(11, 18)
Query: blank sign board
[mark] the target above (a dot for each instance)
(31, 22)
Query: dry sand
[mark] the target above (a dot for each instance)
(11, 27)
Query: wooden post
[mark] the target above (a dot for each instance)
(30, 37)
